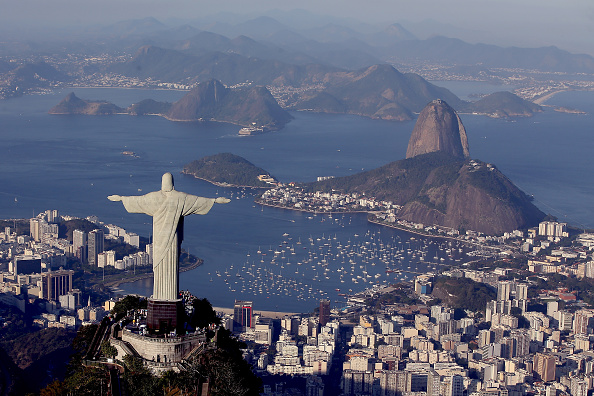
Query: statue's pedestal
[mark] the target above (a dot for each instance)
(159, 353)
(164, 316)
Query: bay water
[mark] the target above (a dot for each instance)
(71, 163)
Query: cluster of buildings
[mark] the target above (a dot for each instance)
(89, 247)
(507, 351)
(510, 348)
(74, 315)
(293, 198)
(32, 266)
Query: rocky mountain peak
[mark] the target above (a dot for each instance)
(438, 128)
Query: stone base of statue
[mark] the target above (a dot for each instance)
(159, 353)
(165, 316)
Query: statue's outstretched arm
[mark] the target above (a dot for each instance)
(222, 200)
(115, 198)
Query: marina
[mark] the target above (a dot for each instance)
(333, 266)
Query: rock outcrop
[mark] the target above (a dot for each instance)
(504, 105)
(438, 184)
(247, 106)
(378, 91)
(72, 104)
(209, 101)
(438, 128)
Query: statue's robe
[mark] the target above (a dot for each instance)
(168, 209)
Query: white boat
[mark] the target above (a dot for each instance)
(248, 131)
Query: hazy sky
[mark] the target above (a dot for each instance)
(565, 23)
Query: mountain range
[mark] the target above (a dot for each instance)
(379, 91)
(339, 45)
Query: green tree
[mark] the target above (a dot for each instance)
(128, 303)
(55, 388)
(87, 381)
(80, 345)
(108, 350)
(203, 315)
(138, 380)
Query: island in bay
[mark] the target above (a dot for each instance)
(226, 169)
(251, 106)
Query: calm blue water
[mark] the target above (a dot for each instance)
(72, 163)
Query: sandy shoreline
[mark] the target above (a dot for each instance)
(224, 184)
(548, 96)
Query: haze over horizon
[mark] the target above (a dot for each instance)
(526, 23)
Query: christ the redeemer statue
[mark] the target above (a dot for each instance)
(168, 208)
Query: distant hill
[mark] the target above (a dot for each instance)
(243, 106)
(226, 168)
(65, 228)
(379, 91)
(390, 35)
(135, 27)
(454, 51)
(205, 42)
(229, 68)
(18, 80)
(71, 104)
(504, 104)
(209, 101)
(149, 107)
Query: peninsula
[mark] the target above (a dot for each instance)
(437, 184)
(229, 170)
(72, 104)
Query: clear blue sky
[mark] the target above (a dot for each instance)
(568, 23)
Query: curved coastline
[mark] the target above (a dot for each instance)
(218, 184)
(541, 100)
(309, 211)
(370, 221)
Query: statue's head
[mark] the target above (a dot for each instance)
(167, 182)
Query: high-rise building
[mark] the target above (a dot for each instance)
(55, 284)
(79, 245)
(583, 321)
(544, 366)
(132, 238)
(324, 312)
(504, 289)
(26, 264)
(455, 386)
(95, 246)
(242, 315)
(521, 291)
(35, 229)
(552, 228)
(433, 383)
(51, 215)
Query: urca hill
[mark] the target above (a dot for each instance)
(438, 184)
